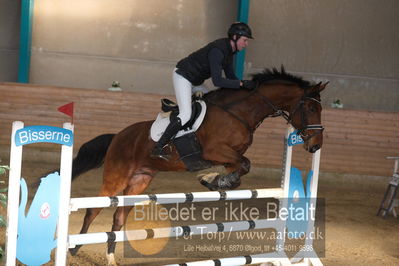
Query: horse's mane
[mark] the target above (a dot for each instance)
(276, 76)
(272, 76)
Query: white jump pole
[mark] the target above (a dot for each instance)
(287, 159)
(169, 198)
(65, 194)
(13, 196)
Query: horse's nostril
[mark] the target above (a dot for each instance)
(314, 148)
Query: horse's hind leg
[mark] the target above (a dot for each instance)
(137, 184)
(92, 213)
(89, 217)
(120, 217)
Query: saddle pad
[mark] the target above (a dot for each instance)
(163, 120)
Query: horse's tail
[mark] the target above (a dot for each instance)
(91, 154)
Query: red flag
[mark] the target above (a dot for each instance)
(67, 109)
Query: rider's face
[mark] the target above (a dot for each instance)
(242, 43)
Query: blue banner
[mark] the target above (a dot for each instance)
(301, 207)
(294, 139)
(37, 228)
(37, 134)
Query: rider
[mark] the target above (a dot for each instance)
(191, 72)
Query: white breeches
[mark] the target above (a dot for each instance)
(183, 91)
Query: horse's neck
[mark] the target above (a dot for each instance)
(266, 102)
(282, 96)
(252, 106)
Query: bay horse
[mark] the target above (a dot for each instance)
(225, 134)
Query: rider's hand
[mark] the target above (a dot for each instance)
(198, 94)
(248, 84)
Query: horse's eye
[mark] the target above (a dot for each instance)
(312, 109)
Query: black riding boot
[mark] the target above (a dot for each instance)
(170, 131)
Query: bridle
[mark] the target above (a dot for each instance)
(289, 117)
(304, 121)
(279, 112)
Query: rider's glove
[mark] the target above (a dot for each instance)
(198, 94)
(248, 84)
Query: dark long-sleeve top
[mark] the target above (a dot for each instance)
(215, 58)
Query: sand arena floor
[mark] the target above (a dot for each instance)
(353, 233)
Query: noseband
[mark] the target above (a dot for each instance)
(289, 117)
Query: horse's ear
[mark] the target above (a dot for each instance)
(322, 86)
(315, 88)
(318, 87)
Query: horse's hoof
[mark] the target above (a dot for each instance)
(210, 186)
(111, 259)
(214, 182)
(74, 250)
(235, 185)
(210, 181)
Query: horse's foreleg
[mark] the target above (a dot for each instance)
(231, 180)
(137, 184)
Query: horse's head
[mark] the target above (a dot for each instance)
(305, 116)
(284, 92)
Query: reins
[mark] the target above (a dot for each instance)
(245, 123)
(288, 118)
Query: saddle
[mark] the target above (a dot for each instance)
(170, 110)
(170, 106)
(185, 141)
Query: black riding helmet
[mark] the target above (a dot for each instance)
(239, 29)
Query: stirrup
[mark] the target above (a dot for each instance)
(159, 154)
